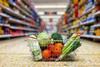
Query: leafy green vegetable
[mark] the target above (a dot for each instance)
(57, 36)
(43, 39)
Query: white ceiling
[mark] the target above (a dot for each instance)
(58, 6)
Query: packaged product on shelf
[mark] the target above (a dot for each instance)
(6, 30)
(89, 5)
(91, 19)
(97, 7)
(0, 19)
(81, 10)
(5, 3)
(1, 31)
(1, 1)
(12, 1)
(97, 31)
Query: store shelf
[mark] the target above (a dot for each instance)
(20, 9)
(5, 36)
(22, 28)
(85, 13)
(4, 15)
(20, 19)
(87, 22)
(9, 35)
(16, 20)
(16, 35)
(96, 25)
(97, 13)
(82, 23)
(24, 6)
(5, 25)
(26, 2)
(71, 19)
(91, 36)
(22, 22)
(74, 26)
(11, 12)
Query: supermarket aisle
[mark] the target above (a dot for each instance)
(15, 53)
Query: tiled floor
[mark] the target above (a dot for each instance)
(15, 53)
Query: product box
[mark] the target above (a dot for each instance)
(1, 31)
(97, 31)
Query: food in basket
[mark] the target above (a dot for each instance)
(57, 36)
(54, 49)
(46, 54)
(57, 51)
(35, 48)
(43, 39)
(72, 44)
(59, 45)
(51, 47)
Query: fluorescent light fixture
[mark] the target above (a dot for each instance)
(50, 16)
(58, 13)
(50, 6)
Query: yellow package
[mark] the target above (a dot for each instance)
(5, 2)
(1, 31)
(1, 1)
(97, 32)
(76, 1)
(81, 11)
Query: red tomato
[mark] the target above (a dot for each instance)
(56, 51)
(60, 45)
(46, 54)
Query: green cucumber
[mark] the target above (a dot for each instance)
(69, 41)
(68, 49)
(76, 45)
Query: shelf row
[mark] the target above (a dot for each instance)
(90, 10)
(86, 12)
(12, 12)
(16, 35)
(16, 20)
(91, 36)
(18, 28)
(86, 22)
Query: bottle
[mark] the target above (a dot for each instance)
(35, 48)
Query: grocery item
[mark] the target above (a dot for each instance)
(60, 45)
(5, 2)
(89, 5)
(35, 48)
(1, 31)
(6, 30)
(51, 47)
(33, 36)
(70, 40)
(57, 36)
(46, 54)
(69, 48)
(97, 31)
(43, 39)
(76, 44)
(57, 51)
(54, 50)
